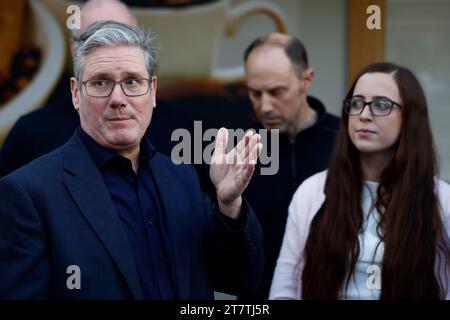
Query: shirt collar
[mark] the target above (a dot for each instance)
(102, 155)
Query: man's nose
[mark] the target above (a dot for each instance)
(117, 97)
(266, 103)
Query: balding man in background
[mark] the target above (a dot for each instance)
(278, 79)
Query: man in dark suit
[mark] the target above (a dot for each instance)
(106, 216)
(49, 127)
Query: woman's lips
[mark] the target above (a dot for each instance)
(365, 133)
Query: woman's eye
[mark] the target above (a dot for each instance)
(382, 104)
(357, 104)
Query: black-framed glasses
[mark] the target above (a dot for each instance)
(377, 107)
(131, 87)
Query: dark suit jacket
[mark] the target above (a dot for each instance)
(56, 212)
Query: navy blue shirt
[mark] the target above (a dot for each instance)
(137, 202)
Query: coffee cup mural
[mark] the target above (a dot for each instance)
(189, 33)
(33, 57)
(189, 38)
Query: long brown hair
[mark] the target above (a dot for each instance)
(410, 227)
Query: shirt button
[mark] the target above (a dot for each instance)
(159, 265)
(150, 222)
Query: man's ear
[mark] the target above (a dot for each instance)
(153, 87)
(75, 93)
(308, 77)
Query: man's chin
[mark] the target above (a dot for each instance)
(273, 125)
(124, 141)
(270, 125)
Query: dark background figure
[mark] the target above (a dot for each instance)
(278, 79)
(274, 96)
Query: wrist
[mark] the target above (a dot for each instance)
(231, 209)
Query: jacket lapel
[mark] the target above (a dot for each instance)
(177, 219)
(89, 191)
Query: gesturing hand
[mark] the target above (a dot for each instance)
(231, 172)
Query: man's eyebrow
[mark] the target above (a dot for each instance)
(107, 76)
(252, 89)
(100, 75)
(279, 87)
(136, 74)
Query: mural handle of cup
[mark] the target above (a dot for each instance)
(235, 16)
(241, 12)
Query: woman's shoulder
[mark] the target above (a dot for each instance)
(442, 186)
(310, 194)
(314, 184)
(443, 193)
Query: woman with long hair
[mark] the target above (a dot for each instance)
(376, 224)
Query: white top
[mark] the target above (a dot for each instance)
(365, 283)
(307, 200)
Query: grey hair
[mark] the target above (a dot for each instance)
(112, 33)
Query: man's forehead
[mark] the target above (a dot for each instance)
(269, 50)
(116, 59)
(123, 53)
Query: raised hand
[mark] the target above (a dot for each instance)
(231, 172)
